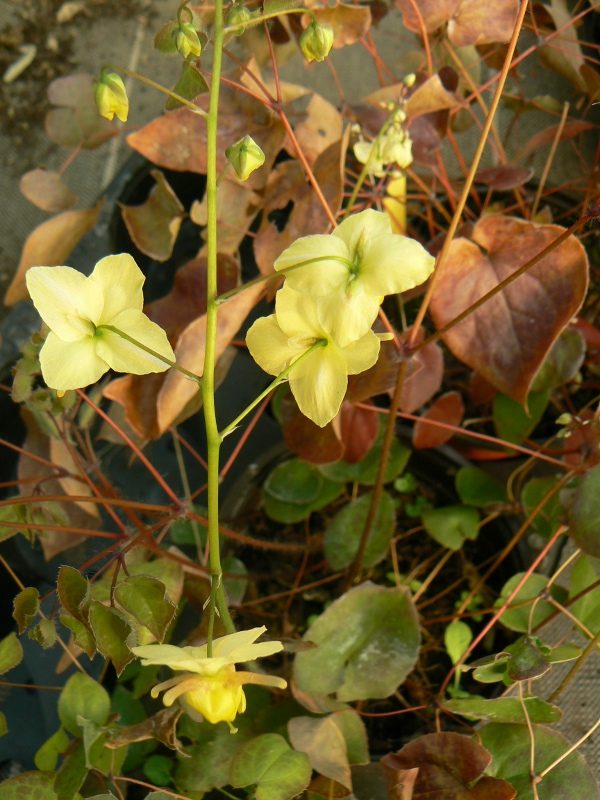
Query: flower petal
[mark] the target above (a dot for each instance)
(298, 314)
(190, 659)
(324, 274)
(350, 314)
(226, 646)
(362, 354)
(364, 225)
(258, 679)
(119, 280)
(393, 264)
(65, 300)
(269, 346)
(70, 365)
(124, 356)
(319, 383)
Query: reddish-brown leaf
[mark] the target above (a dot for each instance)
(507, 339)
(450, 766)
(424, 377)
(449, 409)
(379, 379)
(434, 13)
(307, 440)
(547, 136)
(154, 225)
(137, 395)
(50, 244)
(46, 190)
(478, 22)
(350, 23)
(504, 177)
(237, 205)
(400, 782)
(359, 428)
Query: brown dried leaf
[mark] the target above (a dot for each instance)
(379, 378)
(307, 440)
(46, 190)
(323, 742)
(424, 378)
(321, 127)
(504, 177)
(137, 395)
(547, 136)
(237, 205)
(350, 23)
(478, 22)
(401, 782)
(154, 225)
(450, 766)
(447, 408)
(76, 121)
(161, 726)
(434, 13)
(50, 244)
(61, 455)
(177, 390)
(508, 338)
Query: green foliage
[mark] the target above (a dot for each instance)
(451, 525)
(158, 770)
(268, 763)
(30, 786)
(457, 637)
(295, 489)
(145, 598)
(585, 513)
(584, 574)
(476, 488)
(504, 709)
(525, 610)
(25, 607)
(84, 698)
(111, 632)
(11, 653)
(512, 421)
(343, 534)
(365, 471)
(546, 521)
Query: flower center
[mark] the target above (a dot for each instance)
(82, 325)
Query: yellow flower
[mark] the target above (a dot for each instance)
(111, 96)
(211, 685)
(79, 349)
(296, 332)
(351, 270)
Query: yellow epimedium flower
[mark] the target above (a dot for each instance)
(211, 685)
(297, 339)
(80, 347)
(351, 269)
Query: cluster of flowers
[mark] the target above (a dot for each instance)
(334, 284)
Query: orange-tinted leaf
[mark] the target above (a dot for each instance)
(507, 339)
(448, 408)
(350, 23)
(321, 127)
(451, 766)
(46, 190)
(177, 390)
(237, 205)
(50, 244)
(434, 13)
(154, 225)
(379, 378)
(307, 440)
(72, 482)
(137, 395)
(400, 782)
(478, 22)
(359, 428)
(547, 136)
(172, 141)
(424, 377)
(75, 122)
(504, 177)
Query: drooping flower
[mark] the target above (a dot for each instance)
(296, 334)
(111, 96)
(316, 41)
(245, 156)
(351, 269)
(211, 685)
(79, 348)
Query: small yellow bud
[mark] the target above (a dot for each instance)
(316, 41)
(238, 17)
(187, 41)
(409, 80)
(111, 96)
(245, 156)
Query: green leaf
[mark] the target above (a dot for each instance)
(25, 607)
(268, 762)
(527, 659)
(16, 512)
(71, 774)
(145, 598)
(290, 512)
(504, 709)
(562, 362)
(355, 734)
(111, 632)
(512, 422)
(365, 471)
(158, 769)
(11, 653)
(47, 755)
(342, 535)
(189, 85)
(585, 573)
(585, 513)
(73, 592)
(81, 633)
(3, 725)
(322, 741)
(547, 520)
(294, 482)
(476, 488)
(208, 767)
(457, 637)
(164, 39)
(82, 697)
(517, 619)
(368, 643)
(184, 531)
(29, 786)
(278, 6)
(235, 587)
(44, 633)
(451, 525)
(509, 745)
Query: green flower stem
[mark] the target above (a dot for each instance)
(263, 18)
(222, 298)
(217, 601)
(191, 375)
(131, 73)
(273, 385)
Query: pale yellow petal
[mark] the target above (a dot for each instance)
(362, 354)
(298, 314)
(362, 226)
(189, 659)
(65, 300)
(349, 315)
(70, 365)
(269, 346)
(320, 274)
(393, 264)
(124, 356)
(119, 280)
(258, 679)
(226, 646)
(319, 384)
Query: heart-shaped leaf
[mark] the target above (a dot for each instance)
(268, 762)
(343, 534)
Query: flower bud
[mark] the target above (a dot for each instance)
(316, 41)
(186, 40)
(245, 156)
(111, 96)
(239, 15)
